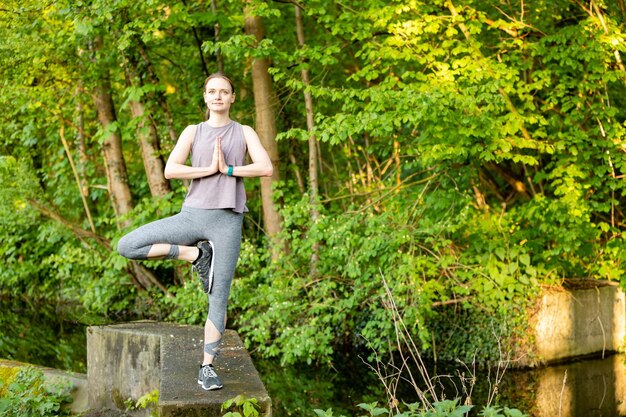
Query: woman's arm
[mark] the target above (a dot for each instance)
(261, 165)
(176, 163)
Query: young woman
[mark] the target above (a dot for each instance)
(207, 231)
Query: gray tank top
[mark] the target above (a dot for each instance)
(218, 191)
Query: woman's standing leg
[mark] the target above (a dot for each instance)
(225, 235)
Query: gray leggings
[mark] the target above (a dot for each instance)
(191, 225)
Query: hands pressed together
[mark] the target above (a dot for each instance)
(219, 162)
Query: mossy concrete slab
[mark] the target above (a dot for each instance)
(127, 361)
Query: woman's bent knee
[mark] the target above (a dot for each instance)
(127, 249)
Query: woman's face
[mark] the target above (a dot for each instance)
(218, 95)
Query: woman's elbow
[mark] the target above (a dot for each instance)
(269, 170)
(168, 172)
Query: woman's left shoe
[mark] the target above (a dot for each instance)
(208, 379)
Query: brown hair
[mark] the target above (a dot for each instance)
(218, 74)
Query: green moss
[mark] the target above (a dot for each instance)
(7, 374)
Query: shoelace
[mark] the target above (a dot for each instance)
(207, 371)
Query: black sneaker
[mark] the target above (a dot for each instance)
(208, 378)
(204, 265)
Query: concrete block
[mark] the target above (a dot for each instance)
(577, 322)
(123, 362)
(127, 361)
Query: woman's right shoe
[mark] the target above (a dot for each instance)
(204, 265)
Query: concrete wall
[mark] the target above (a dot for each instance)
(123, 362)
(578, 322)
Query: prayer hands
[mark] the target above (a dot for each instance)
(218, 157)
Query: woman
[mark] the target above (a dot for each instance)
(207, 231)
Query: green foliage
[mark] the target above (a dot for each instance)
(344, 306)
(243, 406)
(448, 408)
(445, 408)
(27, 394)
(148, 401)
(186, 304)
(501, 412)
(325, 413)
(517, 138)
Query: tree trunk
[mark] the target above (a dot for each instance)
(265, 126)
(216, 34)
(117, 177)
(115, 166)
(622, 8)
(148, 137)
(152, 160)
(310, 124)
(159, 96)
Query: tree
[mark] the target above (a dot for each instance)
(114, 162)
(310, 124)
(146, 131)
(265, 124)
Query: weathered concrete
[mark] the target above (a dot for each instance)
(571, 323)
(78, 383)
(127, 361)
